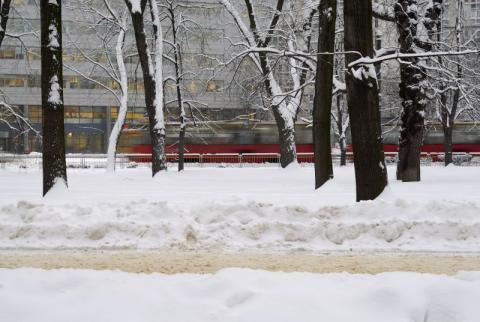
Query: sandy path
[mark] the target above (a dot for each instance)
(207, 262)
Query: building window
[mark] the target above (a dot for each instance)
(12, 81)
(136, 116)
(34, 81)
(71, 114)
(114, 113)
(35, 113)
(472, 10)
(7, 53)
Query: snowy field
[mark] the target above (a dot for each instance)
(249, 209)
(236, 295)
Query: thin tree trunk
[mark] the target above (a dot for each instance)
(451, 115)
(342, 130)
(53, 134)
(155, 115)
(285, 122)
(412, 94)
(181, 145)
(122, 110)
(362, 96)
(343, 152)
(178, 69)
(447, 143)
(322, 105)
(449, 121)
(286, 138)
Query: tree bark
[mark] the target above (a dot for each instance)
(122, 109)
(181, 146)
(322, 104)
(343, 152)
(178, 71)
(342, 130)
(53, 134)
(286, 138)
(285, 123)
(362, 97)
(157, 130)
(4, 15)
(447, 144)
(412, 94)
(448, 121)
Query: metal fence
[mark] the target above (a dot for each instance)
(83, 161)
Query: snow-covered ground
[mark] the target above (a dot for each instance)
(266, 209)
(29, 295)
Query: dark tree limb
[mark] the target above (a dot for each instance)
(157, 135)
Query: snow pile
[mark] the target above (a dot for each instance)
(236, 295)
(240, 209)
(251, 225)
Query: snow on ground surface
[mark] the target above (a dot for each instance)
(231, 209)
(236, 295)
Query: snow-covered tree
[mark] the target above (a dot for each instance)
(431, 67)
(175, 19)
(10, 114)
(260, 40)
(152, 70)
(341, 118)
(54, 165)
(453, 82)
(412, 92)
(110, 25)
(122, 80)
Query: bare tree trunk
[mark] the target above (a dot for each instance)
(157, 129)
(343, 152)
(286, 138)
(54, 165)
(181, 146)
(370, 171)
(122, 110)
(285, 123)
(322, 105)
(448, 121)
(412, 94)
(447, 144)
(342, 130)
(4, 14)
(178, 71)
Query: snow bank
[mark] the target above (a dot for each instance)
(251, 225)
(236, 295)
(241, 209)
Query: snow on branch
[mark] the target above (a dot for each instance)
(399, 55)
(383, 12)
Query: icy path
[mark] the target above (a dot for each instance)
(236, 295)
(264, 209)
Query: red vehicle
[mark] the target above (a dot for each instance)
(262, 138)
